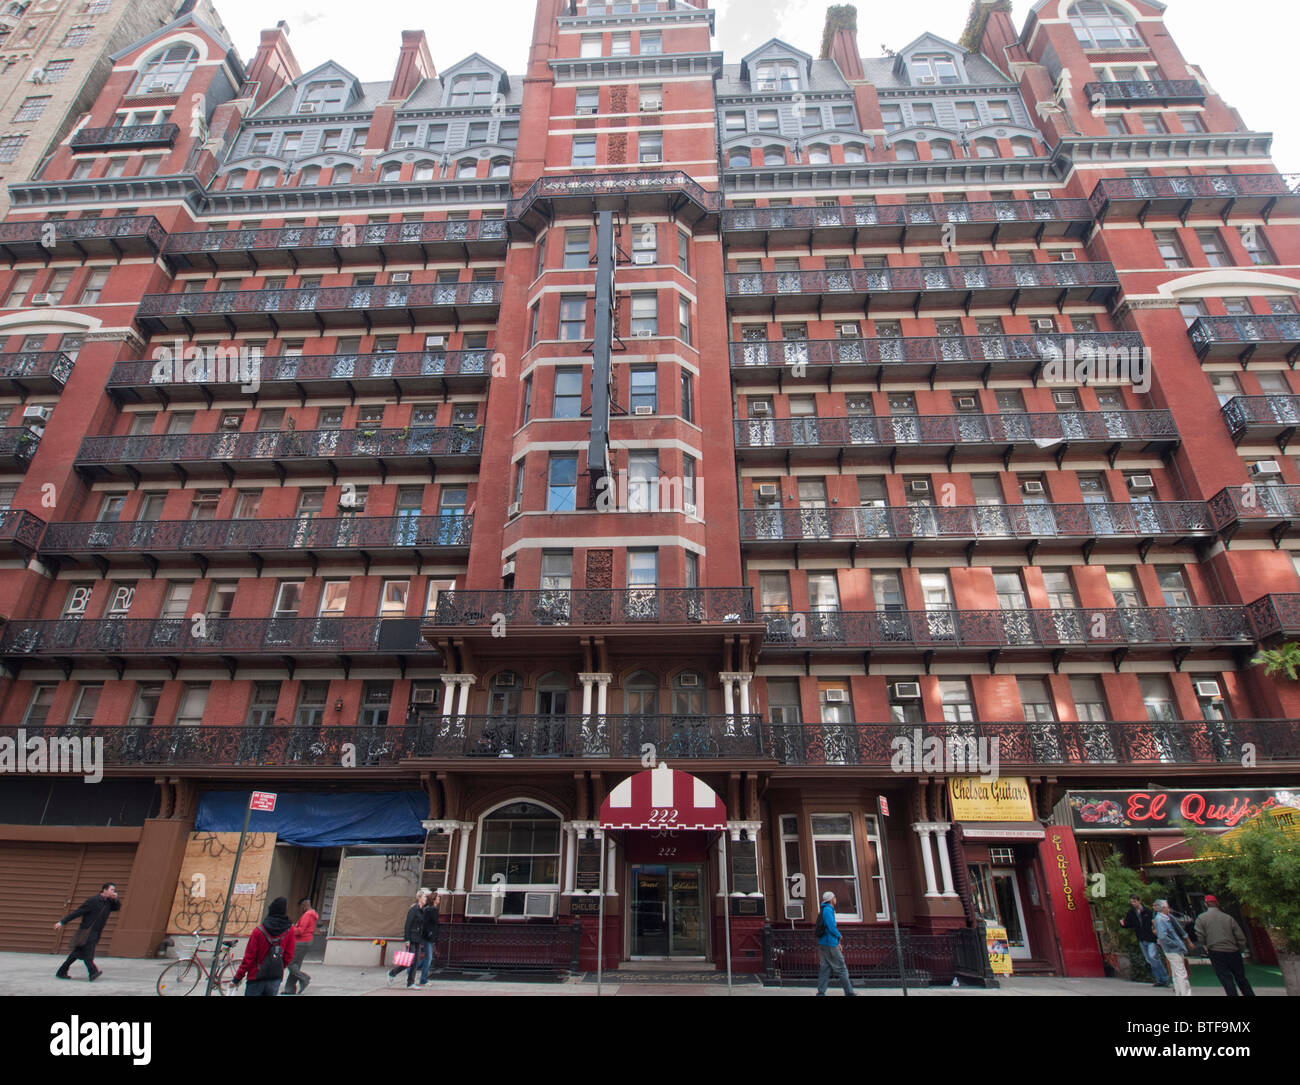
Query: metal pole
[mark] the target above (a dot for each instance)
(230, 892)
(726, 907)
(889, 893)
(600, 924)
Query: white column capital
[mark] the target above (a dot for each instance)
(596, 676)
(735, 828)
(580, 829)
(441, 825)
(459, 679)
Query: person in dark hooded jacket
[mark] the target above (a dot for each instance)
(94, 914)
(263, 972)
(413, 936)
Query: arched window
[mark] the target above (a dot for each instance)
(168, 71)
(854, 152)
(641, 694)
(1099, 25)
(518, 848)
(776, 75)
(553, 695)
(467, 167)
(738, 158)
(392, 172)
(426, 170)
(774, 156)
(500, 168)
(310, 175)
(235, 178)
(266, 179)
(323, 98)
(342, 175)
(688, 694)
(940, 148)
(986, 148)
(1022, 147)
(819, 155)
(467, 90)
(905, 149)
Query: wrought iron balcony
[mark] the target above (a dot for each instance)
(123, 235)
(17, 446)
(647, 609)
(126, 135)
(1170, 521)
(1143, 92)
(625, 192)
(931, 357)
(319, 306)
(1066, 744)
(308, 538)
(1077, 628)
(1243, 337)
(112, 637)
(948, 287)
(20, 531)
(251, 453)
(870, 436)
(409, 372)
(1249, 195)
(1275, 616)
(330, 246)
(1267, 418)
(1270, 507)
(34, 371)
(675, 738)
(987, 221)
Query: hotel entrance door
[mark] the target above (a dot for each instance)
(667, 910)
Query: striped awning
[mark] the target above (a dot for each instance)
(663, 798)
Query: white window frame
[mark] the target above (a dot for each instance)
(856, 915)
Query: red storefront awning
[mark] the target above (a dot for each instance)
(663, 798)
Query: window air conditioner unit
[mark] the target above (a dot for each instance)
(539, 905)
(966, 403)
(39, 415)
(760, 408)
(230, 422)
(587, 110)
(484, 905)
(436, 341)
(919, 486)
(508, 569)
(307, 107)
(37, 75)
(645, 334)
(1042, 194)
(1064, 399)
(848, 329)
(1207, 689)
(402, 144)
(907, 691)
(1141, 482)
(645, 410)
(1068, 258)
(688, 681)
(1265, 467)
(836, 696)
(651, 105)
(1032, 487)
(401, 277)
(927, 80)
(424, 696)
(506, 680)
(43, 299)
(514, 510)
(1044, 324)
(794, 909)
(972, 124)
(156, 88)
(650, 160)
(690, 509)
(769, 492)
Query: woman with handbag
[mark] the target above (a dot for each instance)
(413, 936)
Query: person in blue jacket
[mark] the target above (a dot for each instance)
(828, 944)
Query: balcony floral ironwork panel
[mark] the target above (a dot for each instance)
(590, 606)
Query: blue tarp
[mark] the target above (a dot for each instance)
(321, 820)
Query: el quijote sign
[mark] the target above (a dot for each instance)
(1218, 809)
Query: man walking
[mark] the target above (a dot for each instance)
(1222, 935)
(94, 914)
(303, 932)
(1176, 946)
(270, 948)
(1141, 921)
(828, 944)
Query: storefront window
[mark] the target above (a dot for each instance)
(836, 862)
(981, 892)
(519, 847)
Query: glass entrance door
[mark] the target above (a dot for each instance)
(1011, 913)
(667, 910)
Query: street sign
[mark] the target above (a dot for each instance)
(884, 806)
(263, 801)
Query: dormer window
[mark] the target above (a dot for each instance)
(1099, 25)
(167, 72)
(933, 68)
(776, 75)
(471, 90)
(323, 97)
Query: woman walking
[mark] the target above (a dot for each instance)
(413, 935)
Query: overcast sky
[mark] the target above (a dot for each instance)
(1247, 48)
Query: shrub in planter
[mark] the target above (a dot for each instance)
(1120, 945)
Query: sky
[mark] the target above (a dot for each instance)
(1248, 55)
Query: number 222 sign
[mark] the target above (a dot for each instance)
(662, 815)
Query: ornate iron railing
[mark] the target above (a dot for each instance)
(18, 444)
(790, 955)
(899, 214)
(1275, 615)
(922, 279)
(509, 947)
(335, 237)
(21, 528)
(309, 368)
(257, 536)
(1142, 91)
(1110, 518)
(296, 445)
(279, 636)
(84, 229)
(1038, 744)
(127, 135)
(52, 365)
(1241, 413)
(1209, 331)
(1254, 502)
(613, 184)
(307, 299)
(1212, 186)
(594, 606)
(954, 429)
(608, 736)
(1102, 349)
(1079, 627)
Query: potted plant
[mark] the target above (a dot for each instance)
(1259, 865)
(1120, 950)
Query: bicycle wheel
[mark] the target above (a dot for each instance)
(179, 978)
(225, 978)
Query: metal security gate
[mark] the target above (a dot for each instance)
(41, 883)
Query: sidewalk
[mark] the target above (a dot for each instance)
(26, 974)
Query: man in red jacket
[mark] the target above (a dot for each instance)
(263, 968)
(303, 931)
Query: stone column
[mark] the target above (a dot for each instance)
(462, 856)
(941, 829)
(744, 677)
(923, 831)
(586, 680)
(570, 858)
(465, 680)
(449, 683)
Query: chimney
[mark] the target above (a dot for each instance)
(414, 64)
(990, 31)
(840, 41)
(274, 66)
